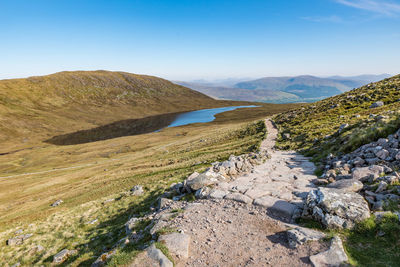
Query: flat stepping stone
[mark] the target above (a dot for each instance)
(285, 179)
(224, 186)
(267, 189)
(218, 194)
(239, 198)
(241, 188)
(261, 180)
(257, 193)
(284, 195)
(177, 243)
(348, 185)
(303, 184)
(243, 180)
(277, 207)
(18, 240)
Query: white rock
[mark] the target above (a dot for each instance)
(336, 208)
(63, 255)
(177, 243)
(156, 255)
(277, 207)
(301, 235)
(239, 198)
(335, 256)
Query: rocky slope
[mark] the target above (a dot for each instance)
(372, 170)
(343, 123)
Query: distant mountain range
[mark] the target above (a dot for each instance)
(303, 88)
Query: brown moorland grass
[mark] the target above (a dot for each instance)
(83, 191)
(85, 175)
(37, 108)
(34, 178)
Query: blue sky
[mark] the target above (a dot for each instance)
(194, 39)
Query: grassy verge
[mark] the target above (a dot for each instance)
(373, 242)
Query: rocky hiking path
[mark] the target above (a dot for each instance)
(279, 184)
(247, 221)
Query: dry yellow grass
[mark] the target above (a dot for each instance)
(38, 108)
(85, 175)
(103, 170)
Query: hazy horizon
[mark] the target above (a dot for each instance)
(207, 79)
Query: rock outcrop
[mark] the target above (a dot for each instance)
(336, 208)
(369, 170)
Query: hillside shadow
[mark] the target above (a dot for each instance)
(114, 130)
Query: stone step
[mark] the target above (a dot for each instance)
(277, 207)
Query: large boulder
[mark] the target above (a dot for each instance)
(376, 104)
(239, 198)
(367, 173)
(177, 243)
(382, 154)
(277, 207)
(335, 208)
(348, 185)
(202, 180)
(335, 256)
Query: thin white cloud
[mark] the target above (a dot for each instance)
(377, 6)
(333, 18)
